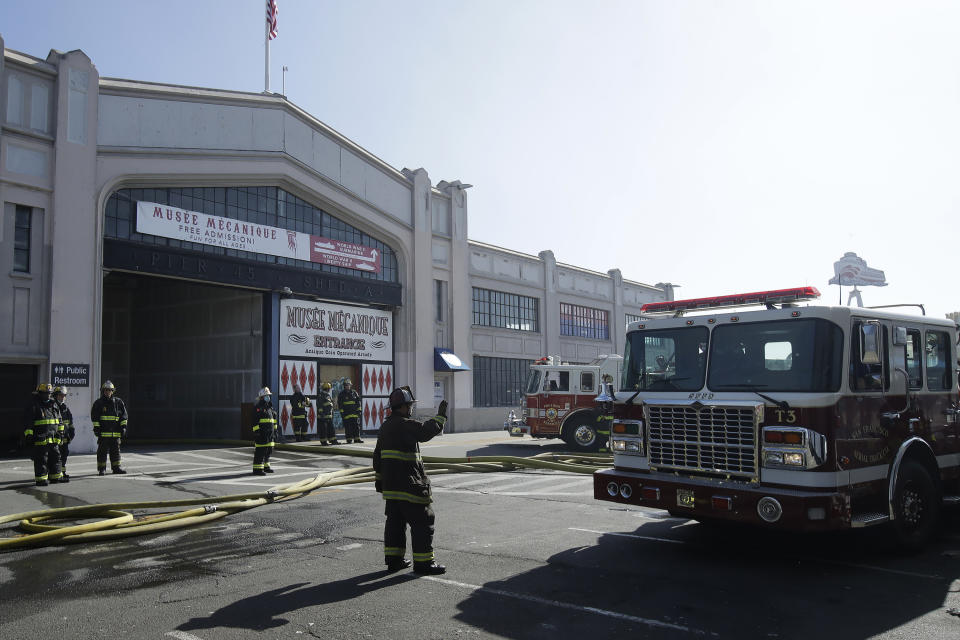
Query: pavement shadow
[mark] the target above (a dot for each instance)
(522, 448)
(675, 578)
(265, 610)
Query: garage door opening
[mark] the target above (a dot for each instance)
(185, 357)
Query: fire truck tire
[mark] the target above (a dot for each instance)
(581, 435)
(916, 507)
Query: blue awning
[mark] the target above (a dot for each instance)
(446, 360)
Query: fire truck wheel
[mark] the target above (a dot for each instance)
(916, 506)
(582, 436)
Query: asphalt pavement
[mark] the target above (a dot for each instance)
(530, 554)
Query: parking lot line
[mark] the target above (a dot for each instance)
(566, 605)
(628, 535)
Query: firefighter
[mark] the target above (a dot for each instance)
(300, 404)
(325, 429)
(264, 432)
(604, 414)
(66, 431)
(41, 421)
(109, 416)
(402, 480)
(348, 402)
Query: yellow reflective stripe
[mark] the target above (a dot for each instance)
(28, 432)
(37, 423)
(269, 444)
(440, 419)
(123, 423)
(45, 441)
(109, 434)
(423, 557)
(406, 497)
(393, 454)
(268, 421)
(110, 418)
(393, 551)
(304, 416)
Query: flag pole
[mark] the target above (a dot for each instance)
(266, 61)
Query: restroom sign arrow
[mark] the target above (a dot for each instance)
(64, 374)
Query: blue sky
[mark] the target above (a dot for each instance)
(725, 145)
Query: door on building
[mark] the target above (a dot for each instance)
(18, 383)
(335, 374)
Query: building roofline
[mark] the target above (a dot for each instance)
(493, 247)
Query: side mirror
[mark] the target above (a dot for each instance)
(870, 342)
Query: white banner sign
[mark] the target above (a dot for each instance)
(317, 330)
(193, 226)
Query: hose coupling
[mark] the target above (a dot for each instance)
(272, 494)
(209, 508)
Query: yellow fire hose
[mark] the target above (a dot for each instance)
(114, 521)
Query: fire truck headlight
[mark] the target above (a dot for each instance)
(619, 445)
(772, 457)
(794, 459)
(633, 446)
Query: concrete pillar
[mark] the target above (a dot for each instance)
(461, 301)
(618, 318)
(550, 313)
(419, 295)
(75, 320)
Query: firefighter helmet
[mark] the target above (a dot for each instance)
(107, 386)
(59, 390)
(44, 387)
(325, 386)
(296, 387)
(346, 382)
(264, 392)
(401, 396)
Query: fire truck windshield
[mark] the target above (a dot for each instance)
(665, 359)
(532, 386)
(779, 355)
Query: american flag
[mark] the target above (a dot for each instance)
(272, 17)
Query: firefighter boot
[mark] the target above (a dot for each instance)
(396, 564)
(119, 471)
(42, 483)
(428, 568)
(267, 469)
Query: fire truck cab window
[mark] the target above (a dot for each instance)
(586, 381)
(666, 359)
(866, 372)
(914, 359)
(937, 359)
(533, 382)
(778, 355)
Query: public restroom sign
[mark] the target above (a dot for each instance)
(201, 228)
(318, 330)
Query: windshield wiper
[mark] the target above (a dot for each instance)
(780, 404)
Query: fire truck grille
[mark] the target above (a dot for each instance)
(706, 439)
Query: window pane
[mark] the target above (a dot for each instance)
(499, 382)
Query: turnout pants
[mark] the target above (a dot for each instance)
(351, 428)
(325, 429)
(46, 462)
(107, 445)
(261, 455)
(401, 513)
(300, 429)
(64, 454)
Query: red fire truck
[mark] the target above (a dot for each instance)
(788, 416)
(558, 400)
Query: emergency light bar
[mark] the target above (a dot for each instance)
(778, 296)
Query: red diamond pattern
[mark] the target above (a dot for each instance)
(284, 417)
(312, 416)
(389, 381)
(380, 385)
(312, 379)
(284, 377)
(303, 377)
(366, 413)
(366, 380)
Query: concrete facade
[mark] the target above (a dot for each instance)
(70, 139)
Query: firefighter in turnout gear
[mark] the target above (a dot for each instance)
(264, 432)
(402, 480)
(325, 429)
(41, 421)
(109, 416)
(604, 414)
(66, 431)
(348, 402)
(299, 405)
